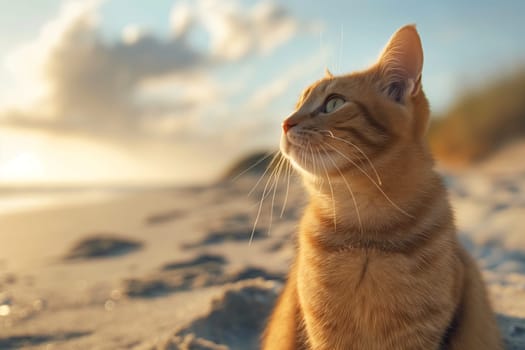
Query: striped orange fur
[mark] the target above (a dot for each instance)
(378, 264)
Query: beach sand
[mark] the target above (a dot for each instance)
(174, 269)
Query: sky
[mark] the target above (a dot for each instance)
(170, 91)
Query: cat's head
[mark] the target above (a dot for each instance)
(340, 121)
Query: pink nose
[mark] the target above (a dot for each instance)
(288, 124)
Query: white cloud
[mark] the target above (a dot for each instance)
(182, 18)
(279, 85)
(28, 62)
(133, 33)
(70, 77)
(165, 100)
(77, 80)
(237, 33)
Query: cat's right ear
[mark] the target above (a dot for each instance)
(401, 64)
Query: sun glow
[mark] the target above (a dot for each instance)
(29, 157)
(22, 166)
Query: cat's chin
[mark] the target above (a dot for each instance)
(293, 155)
(309, 162)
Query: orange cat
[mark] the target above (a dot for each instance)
(379, 265)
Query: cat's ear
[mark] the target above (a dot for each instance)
(401, 64)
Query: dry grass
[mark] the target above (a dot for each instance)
(481, 122)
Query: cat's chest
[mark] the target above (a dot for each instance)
(362, 297)
(350, 277)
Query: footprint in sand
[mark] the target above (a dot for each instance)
(207, 261)
(513, 331)
(255, 272)
(162, 218)
(27, 340)
(218, 237)
(102, 246)
(205, 270)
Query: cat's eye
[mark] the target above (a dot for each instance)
(333, 103)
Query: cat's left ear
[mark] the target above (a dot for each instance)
(401, 64)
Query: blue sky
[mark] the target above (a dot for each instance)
(463, 40)
(178, 88)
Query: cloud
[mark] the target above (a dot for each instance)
(70, 77)
(278, 86)
(237, 33)
(83, 80)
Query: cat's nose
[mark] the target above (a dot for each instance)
(288, 124)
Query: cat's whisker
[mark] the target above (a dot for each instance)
(267, 193)
(360, 151)
(317, 170)
(328, 132)
(277, 153)
(331, 191)
(288, 175)
(352, 161)
(263, 198)
(349, 189)
(331, 134)
(379, 181)
(275, 185)
(259, 161)
(314, 163)
(303, 156)
(371, 180)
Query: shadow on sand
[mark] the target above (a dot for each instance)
(21, 341)
(513, 331)
(102, 245)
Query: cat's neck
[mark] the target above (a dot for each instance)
(358, 201)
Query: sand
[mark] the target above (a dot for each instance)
(173, 269)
